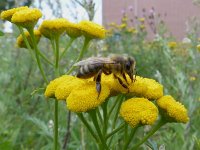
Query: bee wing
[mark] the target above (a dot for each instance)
(94, 60)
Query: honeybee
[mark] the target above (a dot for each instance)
(116, 64)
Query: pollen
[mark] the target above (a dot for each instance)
(49, 28)
(172, 110)
(26, 18)
(139, 111)
(21, 43)
(92, 30)
(85, 97)
(7, 14)
(51, 87)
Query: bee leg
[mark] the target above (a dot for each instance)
(124, 76)
(135, 76)
(121, 82)
(98, 82)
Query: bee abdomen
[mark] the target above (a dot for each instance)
(88, 71)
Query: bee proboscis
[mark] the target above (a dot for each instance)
(117, 64)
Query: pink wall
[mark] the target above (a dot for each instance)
(178, 12)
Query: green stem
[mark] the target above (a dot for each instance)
(99, 115)
(130, 138)
(95, 122)
(85, 46)
(115, 103)
(80, 115)
(115, 130)
(56, 102)
(117, 113)
(67, 47)
(45, 58)
(105, 118)
(153, 130)
(57, 54)
(26, 42)
(56, 125)
(37, 54)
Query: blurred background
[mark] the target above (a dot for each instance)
(163, 36)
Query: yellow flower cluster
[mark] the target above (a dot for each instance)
(51, 87)
(172, 45)
(7, 14)
(49, 28)
(172, 110)
(92, 30)
(21, 43)
(139, 111)
(145, 87)
(84, 99)
(78, 99)
(26, 18)
(73, 30)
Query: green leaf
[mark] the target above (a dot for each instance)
(1, 33)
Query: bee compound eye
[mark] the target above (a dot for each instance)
(128, 66)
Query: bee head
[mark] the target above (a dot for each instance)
(130, 67)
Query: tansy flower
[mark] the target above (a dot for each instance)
(141, 19)
(172, 45)
(85, 97)
(49, 28)
(7, 14)
(123, 25)
(73, 30)
(198, 47)
(92, 30)
(51, 87)
(171, 110)
(64, 89)
(139, 111)
(21, 43)
(145, 87)
(142, 27)
(26, 18)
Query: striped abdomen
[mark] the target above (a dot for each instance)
(88, 71)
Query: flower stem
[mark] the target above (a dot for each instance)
(67, 47)
(56, 125)
(153, 130)
(37, 54)
(56, 102)
(26, 42)
(85, 46)
(115, 130)
(80, 115)
(95, 122)
(127, 142)
(105, 118)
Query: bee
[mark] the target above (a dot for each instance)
(116, 64)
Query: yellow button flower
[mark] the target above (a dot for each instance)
(144, 87)
(73, 30)
(49, 28)
(139, 111)
(172, 110)
(85, 97)
(92, 30)
(21, 43)
(64, 89)
(26, 18)
(7, 14)
(172, 45)
(51, 87)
